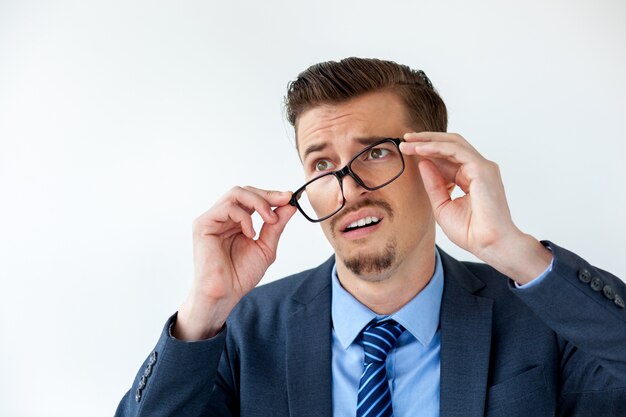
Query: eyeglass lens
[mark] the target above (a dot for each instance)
(374, 166)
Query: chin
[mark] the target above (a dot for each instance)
(371, 266)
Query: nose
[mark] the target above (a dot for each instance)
(352, 191)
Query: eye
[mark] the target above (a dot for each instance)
(323, 165)
(377, 153)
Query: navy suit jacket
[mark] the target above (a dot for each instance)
(558, 348)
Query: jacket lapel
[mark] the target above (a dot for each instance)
(309, 329)
(465, 342)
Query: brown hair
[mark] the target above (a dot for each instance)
(334, 82)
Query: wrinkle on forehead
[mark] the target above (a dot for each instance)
(378, 112)
(331, 122)
(327, 113)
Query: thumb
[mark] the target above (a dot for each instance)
(437, 188)
(270, 233)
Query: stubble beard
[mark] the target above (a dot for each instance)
(371, 266)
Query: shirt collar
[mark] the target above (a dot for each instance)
(420, 316)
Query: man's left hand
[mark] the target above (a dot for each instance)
(479, 221)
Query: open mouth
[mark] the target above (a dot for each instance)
(368, 221)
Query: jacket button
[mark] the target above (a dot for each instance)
(608, 292)
(619, 301)
(148, 371)
(142, 383)
(138, 395)
(596, 284)
(152, 359)
(584, 275)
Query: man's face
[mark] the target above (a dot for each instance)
(328, 136)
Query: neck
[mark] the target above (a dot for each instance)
(388, 291)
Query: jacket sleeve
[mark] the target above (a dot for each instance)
(584, 306)
(179, 378)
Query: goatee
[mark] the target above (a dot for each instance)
(367, 264)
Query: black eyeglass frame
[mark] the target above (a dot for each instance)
(347, 171)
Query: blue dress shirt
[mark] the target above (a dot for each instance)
(413, 366)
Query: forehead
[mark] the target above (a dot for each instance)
(378, 114)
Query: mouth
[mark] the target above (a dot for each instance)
(362, 228)
(360, 224)
(361, 219)
(368, 221)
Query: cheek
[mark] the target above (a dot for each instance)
(324, 198)
(328, 233)
(411, 197)
(412, 180)
(411, 167)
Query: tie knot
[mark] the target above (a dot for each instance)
(379, 338)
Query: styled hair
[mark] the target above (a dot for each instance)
(335, 82)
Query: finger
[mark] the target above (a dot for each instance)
(251, 200)
(409, 146)
(244, 220)
(274, 197)
(437, 188)
(270, 233)
(447, 168)
(419, 136)
(435, 137)
(450, 151)
(224, 220)
(435, 185)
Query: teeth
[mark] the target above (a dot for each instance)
(363, 222)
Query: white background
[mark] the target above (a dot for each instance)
(122, 121)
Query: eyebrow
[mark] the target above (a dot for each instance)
(321, 146)
(369, 140)
(313, 148)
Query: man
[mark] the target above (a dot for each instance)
(390, 325)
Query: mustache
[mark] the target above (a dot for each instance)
(357, 206)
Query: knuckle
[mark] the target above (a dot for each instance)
(231, 195)
(202, 219)
(236, 189)
(199, 227)
(230, 206)
(486, 167)
(493, 166)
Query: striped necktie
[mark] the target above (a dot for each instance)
(374, 398)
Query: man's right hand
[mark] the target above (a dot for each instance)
(228, 261)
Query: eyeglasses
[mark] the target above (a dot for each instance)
(374, 167)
